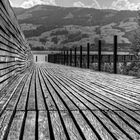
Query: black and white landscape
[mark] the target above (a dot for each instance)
(69, 73)
(53, 26)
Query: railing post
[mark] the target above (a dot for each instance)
(75, 57)
(64, 58)
(36, 58)
(61, 55)
(99, 55)
(81, 56)
(70, 57)
(53, 58)
(88, 55)
(67, 57)
(115, 54)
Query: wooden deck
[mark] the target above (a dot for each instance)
(64, 103)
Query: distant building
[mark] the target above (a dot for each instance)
(42, 56)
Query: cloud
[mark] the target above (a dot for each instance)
(11, 3)
(79, 4)
(94, 4)
(31, 3)
(124, 5)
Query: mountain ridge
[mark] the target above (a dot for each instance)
(54, 26)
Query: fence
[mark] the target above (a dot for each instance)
(15, 55)
(85, 59)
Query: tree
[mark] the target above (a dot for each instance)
(135, 46)
(134, 67)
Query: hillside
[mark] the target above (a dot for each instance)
(51, 26)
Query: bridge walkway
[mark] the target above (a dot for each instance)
(64, 103)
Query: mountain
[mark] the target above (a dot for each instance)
(52, 27)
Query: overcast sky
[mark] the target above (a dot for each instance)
(100, 4)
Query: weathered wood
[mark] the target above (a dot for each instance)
(57, 126)
(75, 103)
(4, 100)
(15, 98)
(87, 131)
(4, 121)
(71, 94)
(112, 127)
(24, 97)
(47, 96)
(29, 130)
(43, 129)
(98, 126)
(15, 130)
(54, 95)
(40, 102)
(14, 50)
(124, 126)
(72, 130)
(31, 100)
(62, 94)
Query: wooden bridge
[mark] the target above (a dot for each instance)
(59, 102)
(44, 101)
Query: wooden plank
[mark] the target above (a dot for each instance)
(113, 99)
(15, 129)
(133, 134)
(111, 126)
(43, 128)
(4, 100)
(126, 94)
(137, 111)
(104, 134)
(4, 121)
(31, 99)
(99, 95)
(71, 93)
(54, 95)
(71, 128)
(134, 122)
(48, 98)
(75, 93)
(23, 98)
(40, 101)
(87, 131)
(83, 95)
(16, 96)
(117, 99)
(63, 95)
(57, 126)
(29, 130)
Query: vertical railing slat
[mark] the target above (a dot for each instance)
(99, 55)
(88, 55)
(115, 54)
(81, 56)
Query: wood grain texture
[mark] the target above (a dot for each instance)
(29, 130)
(57, 126)
(43, 126)
(65, 103)
(15, 130)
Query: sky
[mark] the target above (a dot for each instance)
(99, 4)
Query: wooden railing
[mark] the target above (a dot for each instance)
(15, 55)
(85, 59)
